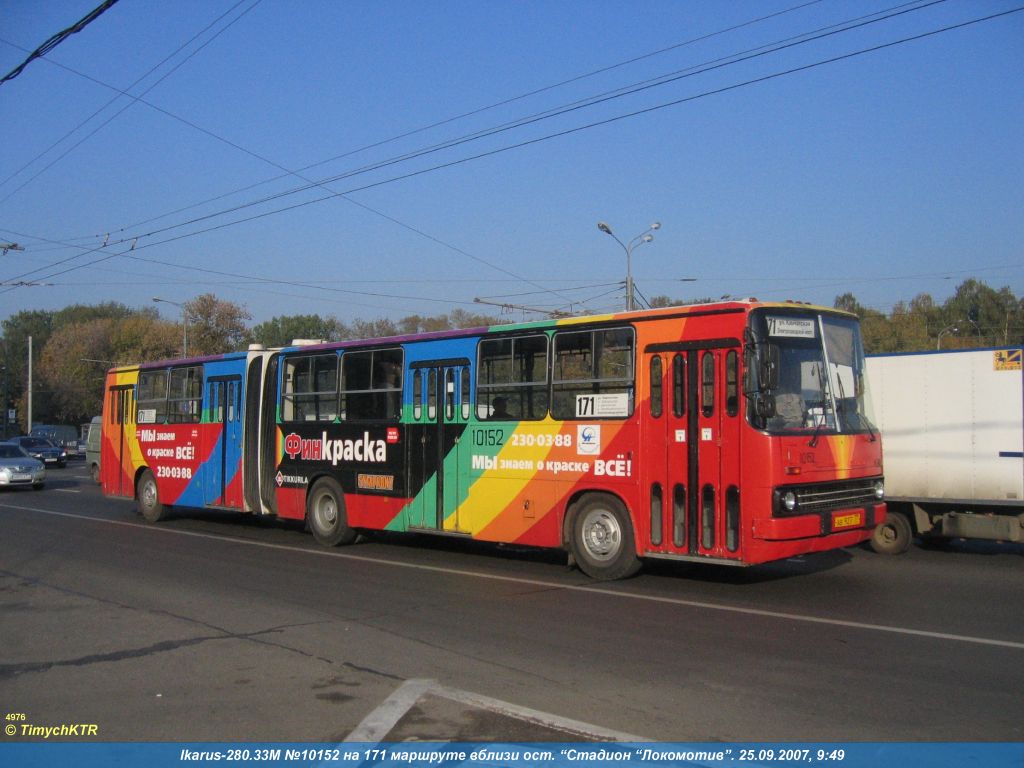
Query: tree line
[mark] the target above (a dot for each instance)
(73, 347)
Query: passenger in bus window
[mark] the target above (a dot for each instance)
(389, 377)
(499, 408)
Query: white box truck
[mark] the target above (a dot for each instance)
(952, 427)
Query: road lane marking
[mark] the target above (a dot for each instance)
(699, 604)
(376, 726)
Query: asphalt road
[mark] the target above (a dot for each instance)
(219, 627)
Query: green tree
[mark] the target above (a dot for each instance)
(282, 330)
(72, 365)
(215, 326)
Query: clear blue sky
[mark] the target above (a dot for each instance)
(887, 174)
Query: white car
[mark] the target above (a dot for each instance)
(18, 468)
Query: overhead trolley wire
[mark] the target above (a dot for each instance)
(576, 106)
(130, 103)
(59, 38)
(548, 137)
(480, 110)
(312, 184)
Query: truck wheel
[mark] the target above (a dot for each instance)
(601, 539)
(325, 513)
(893, 536)
(148, 499)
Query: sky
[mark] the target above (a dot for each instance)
(382, 159)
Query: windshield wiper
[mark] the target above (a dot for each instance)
(861, 417)
(824, 407)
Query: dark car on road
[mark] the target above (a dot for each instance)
(42, 449)
(18, 468)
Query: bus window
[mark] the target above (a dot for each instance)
(417, 395)
(516, 370)
(707, 384)
(678, 386)
(656, 387)
(449, 394)
(371, 385)
(432, 394)
(593, 374)
(465, 393)
(152, 397)
(732, 388)
(185, 395)
(310, 388)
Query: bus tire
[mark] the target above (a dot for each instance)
(892, 537)
(601, 538)
(94, 472)
(148, 498)
(325, 514)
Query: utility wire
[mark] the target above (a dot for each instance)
(480, 110)
(311, 184)
(637, 88)
(58, 38)
(530, 142)
(566, 132)
(130, 103)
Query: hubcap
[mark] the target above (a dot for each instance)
(326, 511)
(602, 535)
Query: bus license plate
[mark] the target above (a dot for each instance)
(854, 520)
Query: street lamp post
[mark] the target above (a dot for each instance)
(954, 328)
(643, 237)
(184, 322)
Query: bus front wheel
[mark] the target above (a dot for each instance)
(601, 538)
(148, 499)
(325, 513)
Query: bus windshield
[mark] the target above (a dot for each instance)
(818, 379)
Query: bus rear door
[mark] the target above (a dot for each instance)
(115, 457)
(221, 466)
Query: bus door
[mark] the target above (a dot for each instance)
(221, 465)
(115, 461)
(715, 494)
(693, 470)
(668, 463)
(441, 410)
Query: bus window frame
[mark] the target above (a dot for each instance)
(568, 388)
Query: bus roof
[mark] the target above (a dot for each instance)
(736, 305)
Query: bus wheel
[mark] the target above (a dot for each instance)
(94, 472)
(893, 536)
(325, 513)
(148, 499)
(601, 539)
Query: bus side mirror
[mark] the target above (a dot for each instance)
(764, 406)
(768, 371)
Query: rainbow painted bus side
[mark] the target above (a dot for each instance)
(632, 436)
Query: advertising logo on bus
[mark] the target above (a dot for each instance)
(334, 450)
(588, 439)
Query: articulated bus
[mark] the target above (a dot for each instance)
(732, 433)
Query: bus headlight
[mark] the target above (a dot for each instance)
(879, 489)
(789, 501)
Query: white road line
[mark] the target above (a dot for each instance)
(622, 594)
(376, 726)
(557, 722)
(67, 490)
